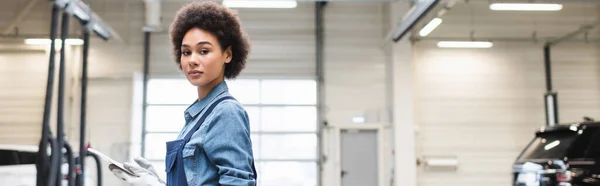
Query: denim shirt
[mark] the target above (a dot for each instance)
(220, 151)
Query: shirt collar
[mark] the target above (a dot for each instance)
(198, 105)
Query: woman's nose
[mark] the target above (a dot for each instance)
(193, 63)
(193, 60)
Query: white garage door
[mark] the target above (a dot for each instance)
(22, 90)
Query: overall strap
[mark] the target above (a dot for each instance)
(208, 111)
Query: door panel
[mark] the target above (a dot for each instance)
(359, 157)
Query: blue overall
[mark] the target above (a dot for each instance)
(174, 158)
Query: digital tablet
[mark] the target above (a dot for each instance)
(112, 164)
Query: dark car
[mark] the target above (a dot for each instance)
(17, 166)
(561, 155)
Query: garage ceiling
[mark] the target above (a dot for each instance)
(466, 19)
(474, 19)
(125, 17)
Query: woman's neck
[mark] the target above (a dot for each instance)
(203, 91)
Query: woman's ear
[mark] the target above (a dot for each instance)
(228, 55)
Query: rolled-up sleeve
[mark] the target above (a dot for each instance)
(227, 144)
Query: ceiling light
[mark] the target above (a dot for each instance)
(41, 41)
(525, 7)
(74, 42)
(465, 44)
(430, 26)
(358, 119)
(260, 3)
(38, 41)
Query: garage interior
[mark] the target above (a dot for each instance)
(334, 95)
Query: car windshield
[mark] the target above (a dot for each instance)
(552, 145)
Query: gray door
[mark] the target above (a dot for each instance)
(359, 157)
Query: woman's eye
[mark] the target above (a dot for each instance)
(203, 52)
(185, 53)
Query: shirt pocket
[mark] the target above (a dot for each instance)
(190, 162)
(189, 151)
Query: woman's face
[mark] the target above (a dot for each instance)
(202, 60)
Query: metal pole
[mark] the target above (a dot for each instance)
(547, 68)
(321, 122)
(45, 172)
(550, 97)
(60, 134)
(145, 88)
(70, 156)
(82, 117)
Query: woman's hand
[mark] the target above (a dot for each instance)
(143, 163)
(145, 174)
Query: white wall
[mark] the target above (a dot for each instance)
(354, 62)
(354, 77)
(483, 105)
(401, 99)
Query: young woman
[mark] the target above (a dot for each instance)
(214, 146)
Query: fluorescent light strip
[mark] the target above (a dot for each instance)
(358, 119)
(525, 7)
(39, 41)
(434, 23)
(260, 3)
(464, 44)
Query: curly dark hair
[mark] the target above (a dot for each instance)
(218, 20)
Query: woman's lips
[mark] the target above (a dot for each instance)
(195, 73)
